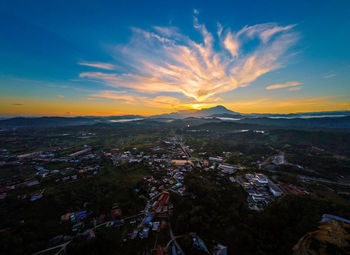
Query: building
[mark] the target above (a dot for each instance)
(232, 179)
(220, 250)
(274, 189)
(279, 160)
(261, 178)
(227, 168)
(180, 162)
(219, 160)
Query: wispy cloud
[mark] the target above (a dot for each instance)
(165, 60)
(92, 99)
(17, 104)
(164, 102)
(329, 76)
(295, 88)
(105, 66)
(284, 85)
(116, 95)
(157, 102)
(60, 96)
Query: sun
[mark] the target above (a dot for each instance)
(197, 106)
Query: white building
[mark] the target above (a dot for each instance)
(261, 178)
(219, 160)
(227, 169)
(274, 189)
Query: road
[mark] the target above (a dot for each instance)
(308, 178)
(146, 213)
(61, 246)
(174, 239)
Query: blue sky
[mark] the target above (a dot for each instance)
(51, 54)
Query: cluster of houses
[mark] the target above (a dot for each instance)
(162, 206)
(155, 216)
(261, 190)
(169, 158)
(82, 165)
(78, 219)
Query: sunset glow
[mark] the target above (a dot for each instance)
(280, 63)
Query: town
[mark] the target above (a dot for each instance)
(148, 183)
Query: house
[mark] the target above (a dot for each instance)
(156, 226)
(116, 213)
(91, 234)
(82, 215)
(148, 220)
(66, 217)
(220, 250)
(36, 196)
(134, 234)
(32, 183)
(144, 233)
(177, 185)
(205, 163)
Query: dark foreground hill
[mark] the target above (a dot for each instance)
(21, 122)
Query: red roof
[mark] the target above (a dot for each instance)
(159, 250)
(116, 212)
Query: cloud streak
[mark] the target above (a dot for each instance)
(115, 95)
(157, 102)
(165, 60)
(329, 76)
(105, 66)
(285, 85)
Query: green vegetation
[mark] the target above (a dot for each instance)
(29, 225)
(212, 206)
(219, 212)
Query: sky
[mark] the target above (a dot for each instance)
(84, 58)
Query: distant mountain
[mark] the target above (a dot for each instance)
(334, 119)
(227, 115)
(321, 122)
(43, 122)
(126, 117)
(222, 111)
(302, 114)
(206, 112)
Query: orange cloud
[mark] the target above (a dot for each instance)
(164, 60)
(164, 101)
(116, 95)
(295, 88)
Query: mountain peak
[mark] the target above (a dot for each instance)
(219, 109)
(205, 112)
